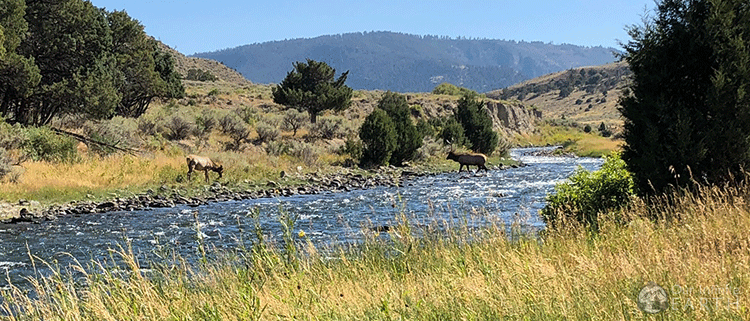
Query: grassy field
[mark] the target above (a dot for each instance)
(697, 249)
(572, 139)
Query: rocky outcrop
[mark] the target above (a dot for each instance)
(512, 117)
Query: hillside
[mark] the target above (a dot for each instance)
(586, 95)
(410, 63)
(222, 72)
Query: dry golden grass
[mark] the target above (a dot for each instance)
(46, 181)
(696, 247)
(572, 139)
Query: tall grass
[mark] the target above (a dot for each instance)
(695, 246)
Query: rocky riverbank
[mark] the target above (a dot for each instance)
(313, 183)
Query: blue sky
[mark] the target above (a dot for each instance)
(200, 26)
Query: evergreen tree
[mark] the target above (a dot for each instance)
(379, 137)
(477, 124)
(70, 41)
(135, 53)
(18, 74)
(408, 139)
(312, 87)
(686, 112)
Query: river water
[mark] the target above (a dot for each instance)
(326, 219)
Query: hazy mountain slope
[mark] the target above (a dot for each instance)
(586, 95)
(409, 63)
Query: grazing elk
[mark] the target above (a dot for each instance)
(468, 159)
(202, 163)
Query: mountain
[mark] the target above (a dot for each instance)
(585, 95)
(409, 63)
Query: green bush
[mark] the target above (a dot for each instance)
(451, 89)
(42, 144)
(589, 193)
(453, 133)
(200, 75)
(477, 124)
(379, 138)
(353, 147)
(408, 139)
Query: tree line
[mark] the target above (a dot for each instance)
(63, 57)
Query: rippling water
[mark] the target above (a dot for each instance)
(325, 218)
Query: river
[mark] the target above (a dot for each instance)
(511, 195)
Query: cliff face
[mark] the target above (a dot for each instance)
(512, 117)
(508, 117)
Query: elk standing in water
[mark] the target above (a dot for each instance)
(204, 164)
(468, 159)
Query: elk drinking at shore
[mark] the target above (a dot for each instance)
(468, 159)
(202, 163)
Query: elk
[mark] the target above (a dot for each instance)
(476, 159)
(202, 163)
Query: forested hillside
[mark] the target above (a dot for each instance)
(410, 63)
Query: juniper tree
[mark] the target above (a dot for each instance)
(687, 111)
(313, 87)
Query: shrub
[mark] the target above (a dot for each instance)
(147, 127)
(451, 89)
(305, 152)
(206, 122)
(477, 124)
(277, 148)
(353, 147)
(453, 133)
(294, 120)
(178, 127)
(267, 132)
(248, 114)
(379, 138)
(118, 131)
(5, 163)
(11, 136)
(236, 129)
(589, 193)
(43, 144)
(329, 127)
(430, 148)
(200, 75)
(408, 139)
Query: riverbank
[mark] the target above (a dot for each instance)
(342, 180)
(439, 272)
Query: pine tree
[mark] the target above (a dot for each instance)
(686, 110)
(312, 87)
